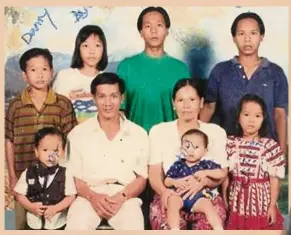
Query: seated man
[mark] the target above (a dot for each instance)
(107, 155)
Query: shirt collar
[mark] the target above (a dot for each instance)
(124, 124)
(50, 99)
(265, 62)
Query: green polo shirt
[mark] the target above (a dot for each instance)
(149, 83)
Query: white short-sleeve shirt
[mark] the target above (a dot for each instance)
(165, 144)
(59, 219)
(92, 157)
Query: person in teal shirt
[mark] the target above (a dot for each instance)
(151, 75)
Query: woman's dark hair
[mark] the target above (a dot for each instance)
(195, 83)
(248, 15)
(83, 34)
(32, 53)
(263, 131)
(107, 78)
(49, 131)
(161, 10)
(199, 133)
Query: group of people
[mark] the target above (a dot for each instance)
(92, 145)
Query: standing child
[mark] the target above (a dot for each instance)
(89, 58)
(256, 166)
(36, 107)
(46, 190)
(194, 147)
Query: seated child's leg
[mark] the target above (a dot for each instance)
(205, 206)
(174, 205)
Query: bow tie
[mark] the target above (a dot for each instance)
(44, 171)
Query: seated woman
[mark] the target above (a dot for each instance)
(165, 145)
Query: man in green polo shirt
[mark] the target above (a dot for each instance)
(151, 75)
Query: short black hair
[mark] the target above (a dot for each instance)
(263, 131)
(107, 78)
(196, 84)
(32, 53)
(83, 34)
(161, 10)
(248, 15)
(41, 133)
(198, 133)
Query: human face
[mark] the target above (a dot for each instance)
(108, 99)
(187, 103)
(154, 30)
(248, 37)
(193, 145)
(49, 150)
(251, 118)
(91, 51)
(38, 73)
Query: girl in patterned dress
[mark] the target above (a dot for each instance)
(256, 165)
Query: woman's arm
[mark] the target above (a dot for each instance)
(156, 177)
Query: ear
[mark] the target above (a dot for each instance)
(122, 98)
(262, 37)
(173, 103)
(36, 153)
(23, 75)
(201, 102)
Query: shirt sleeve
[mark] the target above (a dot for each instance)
(9, 122)
(21, 185)
(156, 153)
(173, 171)
(73, 157)
(281, 90)
(219, 147)
(122, 72)
(59, 84)
(70, 188)
(275, 159)
(141, 167)
(211, 165)
(68, 117)
(211, 91)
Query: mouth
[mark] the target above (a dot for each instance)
(248, 47)
(154, 38)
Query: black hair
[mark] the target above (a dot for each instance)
(195, 83)
(198, 133)
(41, 133)
(160, 10)
(107, 78)
(248, 15)
(83, 34)
(263, 131)
(32, 53)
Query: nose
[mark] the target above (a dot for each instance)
(153, 29)
(186, 103)
(247, 37)
(92, 49)
(107, 101)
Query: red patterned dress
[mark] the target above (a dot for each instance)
(250, 165)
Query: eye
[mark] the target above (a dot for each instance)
(44, 69)
(44, 150)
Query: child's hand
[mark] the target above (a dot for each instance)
(200, 175)
(272, 214)
(182, 182)
(50, 212)
(37, 208)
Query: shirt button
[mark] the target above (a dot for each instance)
(244, 76)
(240, 66)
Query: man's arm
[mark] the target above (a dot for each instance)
(207, 111)
(281, 127)
(135, 188)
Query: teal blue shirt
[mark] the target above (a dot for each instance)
(149, 84)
